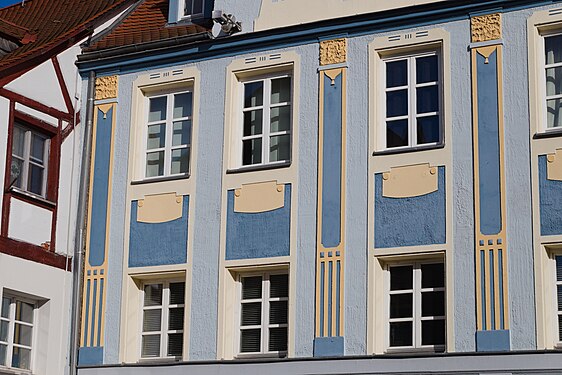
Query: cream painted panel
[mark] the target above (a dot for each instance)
(52, 288)
(317, 10)
(37, 114)
(259, 197)
(160, 208)
(554, 165)
(409, 181)
(4, 118)
(29, 223)
(40, 84)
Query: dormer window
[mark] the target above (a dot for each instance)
(191, 8)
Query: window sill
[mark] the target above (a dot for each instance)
(32, 198)
(13, 371)
(413, 351)
(261, 355)
(409, 149)
(548, 134)
(160, 179)
(261, 167)
(160, 360)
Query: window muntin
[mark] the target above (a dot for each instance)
(416, 306)
(16, 333)
(264, 300)
(163, 320)
(266, 121)
(412, 101)
(553, 81)
(168, 134)
(30, 153)
(192, 8)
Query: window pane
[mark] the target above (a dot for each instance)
(182, 105)
(433, 275)
(21, 358)
(4, 330)
(280, 119)
(188, 10)
(251, 152)
(5, 312)
(153, 295)
(279, 148)
(253, 122)
(279, 286)
(22, 334)
(37, 151)
(553, 49)
(554, 81)
(397, 73)
(428, 130)
(151, 346)
(433, 303)
(197, 6)
(554, 113)
(396, 133)
(250, 340)
(433, 332)
(559, 293)
(397, 103)
(181, 133)
(251, 287)
(156, 137)
(16, 171)
(155, 164)
(157, 111)
(175, 344)
(253, 94)
(428, 99)
(3, 350)
(152, 320)
(24, 312)
(401, 305)
(427, 69)
(175, 319)
(35, 182)
(401, 334)
(180, 161)
(560, 327)
(18, 141)
(280, 90)
(401, 278)
(177, 293)
(251, 314)
(278, 312)
(277, 339)
(558, 270)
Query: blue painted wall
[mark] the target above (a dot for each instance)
(158, 244)
(258, 235)
(98, 218)
(550, 193)
(410, 221)
(331, 167)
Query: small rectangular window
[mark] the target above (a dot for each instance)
(30, 154)
(553, 81)
(163, 320)
(264, 300)
(193, 7)
(558, 259)
(416, 307)
(16, 332)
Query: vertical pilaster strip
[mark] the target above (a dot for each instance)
(331, 199)
(98, 225)
(489, 184)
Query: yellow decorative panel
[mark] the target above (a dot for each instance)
(106, 87)
(259, 197)
(554, 166)
(159, 208)
(485, 28)
(409, 181)
(333, 51)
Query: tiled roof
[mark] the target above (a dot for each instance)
(40, 25)
(147, 22)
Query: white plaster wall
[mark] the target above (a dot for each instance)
(37, 114)
(29, 223)
(72, 81)
(52, 286)
(4, 118)
(40, 84)
(68, 197)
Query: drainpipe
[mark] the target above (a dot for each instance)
(80, 236)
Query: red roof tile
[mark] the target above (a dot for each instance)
(147, 22)
(41, 25)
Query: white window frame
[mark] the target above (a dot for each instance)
(416, 319)
(543, 66)
(266, 125)
(168, 148)
(412, 100)
(556, 313)
(181, 10)
(27, 159)
(11, 327)
(265, 326)
(165, 307)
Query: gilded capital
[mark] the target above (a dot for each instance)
(333, 51)
(106, 87)
(485, 28)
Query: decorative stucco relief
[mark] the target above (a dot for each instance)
(485, 28)
(333, 51)
(106, 87)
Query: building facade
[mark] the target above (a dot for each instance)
(352, 187)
